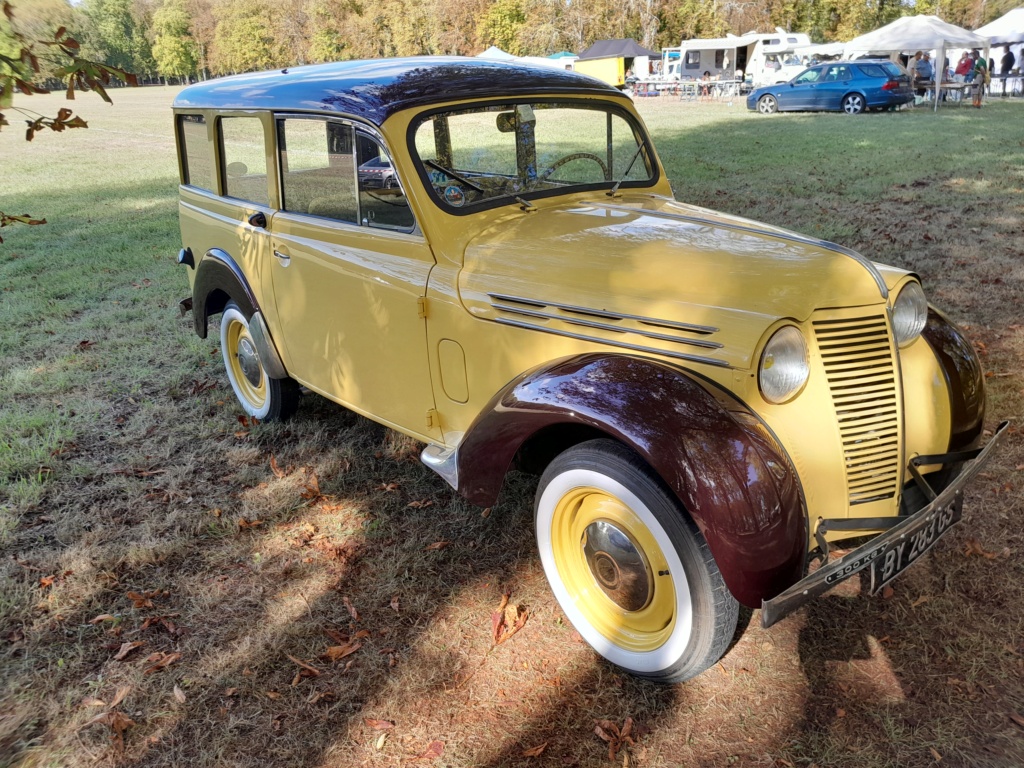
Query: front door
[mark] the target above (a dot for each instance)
(349, 268)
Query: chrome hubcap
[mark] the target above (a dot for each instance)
(618, 565)
(249, 362)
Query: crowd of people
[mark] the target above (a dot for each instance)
(972, 69)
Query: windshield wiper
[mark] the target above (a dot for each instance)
(452, 174)
(615, 189)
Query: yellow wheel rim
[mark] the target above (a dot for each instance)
(246, 372)
(640, 625)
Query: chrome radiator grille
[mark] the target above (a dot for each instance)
(858, 359)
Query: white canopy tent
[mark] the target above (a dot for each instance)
(1006, 29)
(917, 33)
(495, 53)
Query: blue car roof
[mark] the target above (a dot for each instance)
(376, 89)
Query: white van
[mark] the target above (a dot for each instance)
(763, 58)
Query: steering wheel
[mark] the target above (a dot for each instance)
(543, 175)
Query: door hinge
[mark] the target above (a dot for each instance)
(433, 418)
(421, 307)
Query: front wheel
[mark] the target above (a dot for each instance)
(853, 104)
(260, 396)
(629, 568)
(767, 105)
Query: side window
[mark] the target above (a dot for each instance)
(196, 152)
(838, 73)
(245, 159)
(317, 171)
(382, 202)
(719, 59)
(692, 60)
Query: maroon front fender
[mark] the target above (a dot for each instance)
(728, 473)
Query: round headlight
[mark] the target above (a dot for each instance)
(784, 369)
(909, 314)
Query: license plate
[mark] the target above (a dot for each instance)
(898, 555)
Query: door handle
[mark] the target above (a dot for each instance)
(284, 258)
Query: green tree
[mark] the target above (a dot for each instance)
(174, 50)
(244, 39)
(117, 34)
(502, 24)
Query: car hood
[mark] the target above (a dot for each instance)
(653, 274)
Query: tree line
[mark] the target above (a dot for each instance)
(194, 39)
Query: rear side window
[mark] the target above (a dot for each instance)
(872, 70)
(318, 174)
(891, 69)
(245, 159)
(196, 154)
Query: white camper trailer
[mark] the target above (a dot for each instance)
(763, 58)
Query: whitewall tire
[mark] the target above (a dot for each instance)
(629, 568)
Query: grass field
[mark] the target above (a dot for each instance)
(166, 566)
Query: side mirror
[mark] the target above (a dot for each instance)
(506, 122)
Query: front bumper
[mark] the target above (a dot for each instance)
(923, 528)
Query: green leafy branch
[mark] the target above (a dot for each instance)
(17, 74)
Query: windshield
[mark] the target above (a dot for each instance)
(493, 154)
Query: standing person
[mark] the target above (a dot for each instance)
(963, 67)
(980, 72)
(1006, 65)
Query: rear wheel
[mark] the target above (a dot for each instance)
(628, 567)
(853, 104)
(767, 105)
(260, 396)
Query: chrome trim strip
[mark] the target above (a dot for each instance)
(793, 238)
(607, 327)
(624, 345)
(702, 329)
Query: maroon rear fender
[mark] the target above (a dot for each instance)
(709, 449)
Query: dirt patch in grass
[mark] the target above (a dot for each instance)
(179, 587)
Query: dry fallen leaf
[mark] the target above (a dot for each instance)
(230, 692)
(361, 634)
(243, 523)
(278, 472)
(311, 490)
(888, 592)
(535, 751)
(127, 648)
(381, 740)
(165, 660)
(89, 701)
(1018, 719)
(420, 504)
(379, 725)
(436, 545)
(311, 669)
(103, 617)
(920, 601)
(272, 695)
(974, 547)
(394, 604)
(179, 695)
(351, 608)
(118, 722)
(434, 750)
(123, 691)
(507, 620)
(615, 737)
(337, 652)
(142, 600)
(935, 754)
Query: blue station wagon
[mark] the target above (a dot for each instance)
(848, 86)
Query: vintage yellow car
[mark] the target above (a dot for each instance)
(488, 257)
